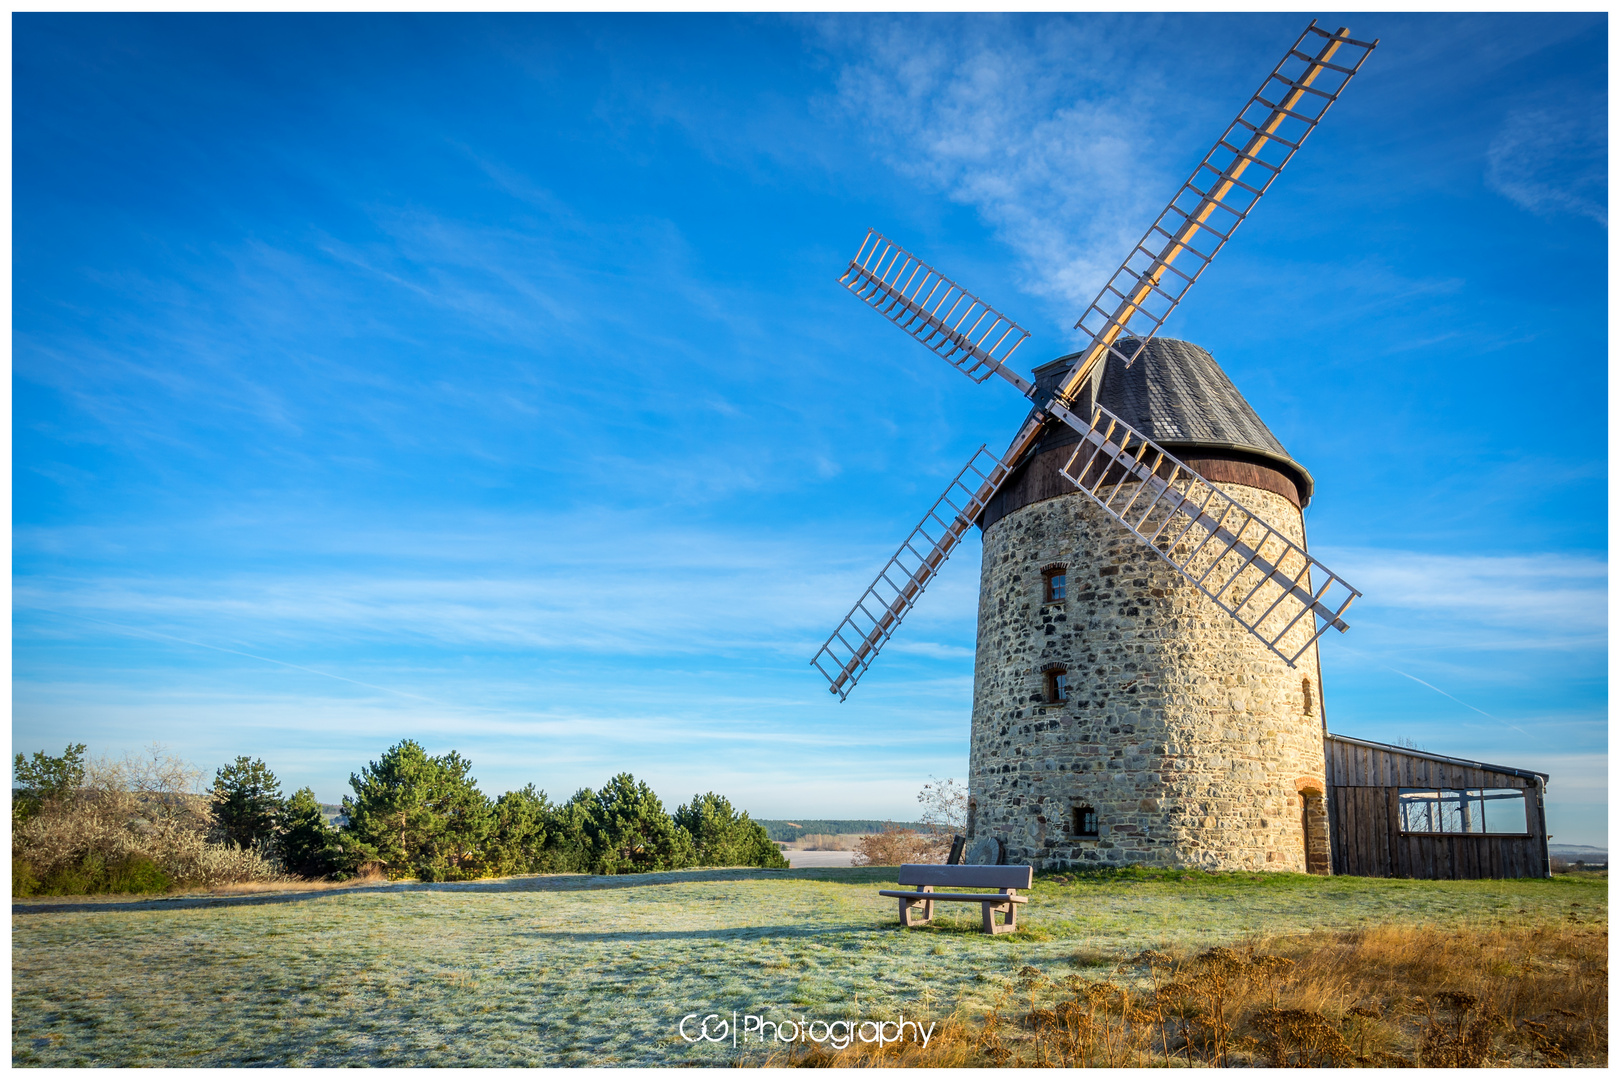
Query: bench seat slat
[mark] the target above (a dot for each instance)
(987, 897)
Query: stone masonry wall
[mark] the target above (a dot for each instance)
(1195, 745)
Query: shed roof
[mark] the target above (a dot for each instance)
(1408, 751)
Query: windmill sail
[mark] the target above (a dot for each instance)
(972, 336)
(1251, 570)
(1215, 200)
(852, 647)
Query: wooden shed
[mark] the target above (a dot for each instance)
(1398, 812)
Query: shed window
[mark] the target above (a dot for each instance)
(1057, 685)
(1470, 810)
(1085, 821)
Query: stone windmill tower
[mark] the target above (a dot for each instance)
(1146, 687)
(1119, 716)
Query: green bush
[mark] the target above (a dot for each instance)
(136, 874)
(91, 874)
(23, 880)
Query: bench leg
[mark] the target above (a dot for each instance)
(907, 906)
(1007, 927)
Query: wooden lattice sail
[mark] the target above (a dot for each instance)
(1269, 584)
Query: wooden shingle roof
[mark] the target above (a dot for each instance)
(1178, 396)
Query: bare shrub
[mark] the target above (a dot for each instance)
(896, 845)
(945, 805)
(191, 859)
(129, 812)
(828, 842)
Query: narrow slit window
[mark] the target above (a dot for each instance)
(1085, 821)
(1057, 685)
(1310, 698)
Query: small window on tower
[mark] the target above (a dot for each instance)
(1057, 685)
(1310, 698)
(1085, 821)
(1057, 583)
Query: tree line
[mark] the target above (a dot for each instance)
(411, 815)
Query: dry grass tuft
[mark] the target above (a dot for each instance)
(283, 885)
(1390, 996)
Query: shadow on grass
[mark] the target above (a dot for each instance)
(942, 925)
(529, 883)
(735, 933)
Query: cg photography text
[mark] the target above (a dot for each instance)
(695, 1028)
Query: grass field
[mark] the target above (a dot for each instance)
(575, 970)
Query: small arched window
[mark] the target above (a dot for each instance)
(1310, 698)
(1055, 588)
(1084, 821)
(1057, 683)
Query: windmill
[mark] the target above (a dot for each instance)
(1249, 568)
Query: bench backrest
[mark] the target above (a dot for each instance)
(969, 876)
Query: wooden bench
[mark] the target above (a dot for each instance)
(927, 876)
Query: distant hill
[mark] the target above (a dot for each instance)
(1572, 852)
(783, 829)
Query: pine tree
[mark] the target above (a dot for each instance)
(518, 844)
(309, 846)
(247, 803)
(724, 837)
(629, 833)
(419, 816)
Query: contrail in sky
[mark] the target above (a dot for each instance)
(1458, 700)
(142, 632)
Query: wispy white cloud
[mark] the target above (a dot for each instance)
(1031, 128)
(620, 583)
(1552, 158)
(1544, 593)
(933, 649)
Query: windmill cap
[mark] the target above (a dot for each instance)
(1178, 396)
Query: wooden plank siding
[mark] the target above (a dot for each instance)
(1364, 822)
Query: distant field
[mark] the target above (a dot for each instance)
(799, 859)
(576, 970)
(783, 829)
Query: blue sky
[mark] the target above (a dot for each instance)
(486, 381)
